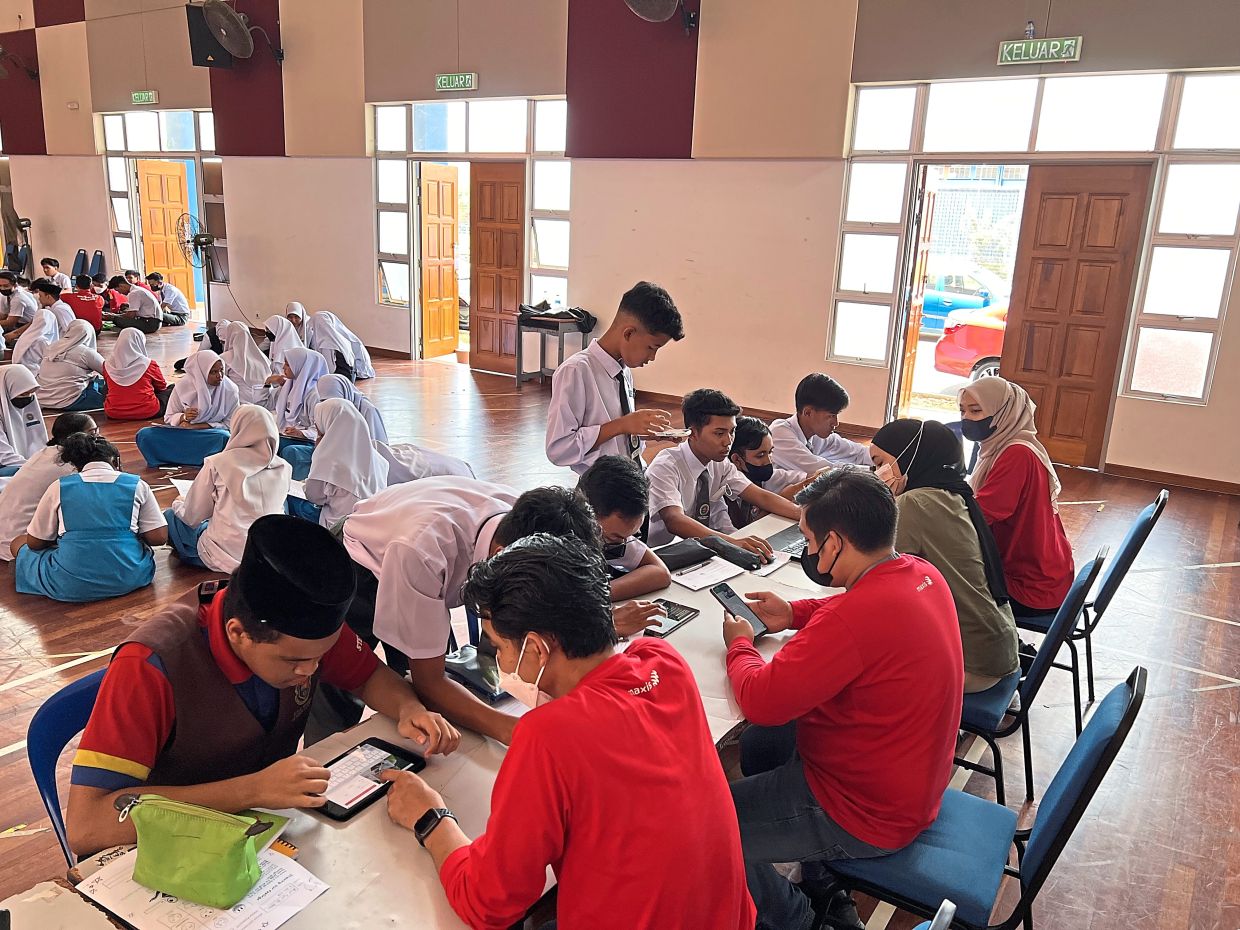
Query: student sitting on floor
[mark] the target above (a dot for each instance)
(137, 389)
(295, 313)
(346, 467)
(85, 303)
(866, 698)
(244, 364)
(17, 305)
(807, 441)
(248, 480)
(281, 337)
(92, 533)
(174, 308)
(294, 409)
(197, 414)
(25, 489)
(751, 454)
(689, 482)
(71, 375)
(603, 725)
(142, 310)
(48, 296)
(330, 386)
(325, 334)
(51, 271)
(22, 432)
(206, 701)
(923, 464)
(34, 341)
(1018, 491)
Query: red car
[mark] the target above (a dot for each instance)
(972, 342)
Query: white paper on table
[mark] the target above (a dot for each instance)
(295, 488)
(182, 485)
(706, 574)
(284, 890)
(778, 561)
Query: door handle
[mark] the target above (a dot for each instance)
(946, 303)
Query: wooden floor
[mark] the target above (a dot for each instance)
(1158, 849)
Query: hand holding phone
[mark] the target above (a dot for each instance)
(734, 605)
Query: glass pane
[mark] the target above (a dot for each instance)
(1170, 361)
(868, 263)
(114, 133)
(391, 129)
(860, 331)
(439, 127)
(1187, 282)
(884, 118)
(394, 283)
(120, 211)
(553, 290)
(118, 179)
(875, 192)
(497, 125)
(550, 125)
(1114, 113)
(393, 181)
(213, 177)
(551, 184)
(142, 132)
(550, 246)
(206, 130)
(393, 232)
(1205, 97)
(176, 130)
(980, 116)
(1201, 200)
(124, 252)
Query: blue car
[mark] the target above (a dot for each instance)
(957, 286)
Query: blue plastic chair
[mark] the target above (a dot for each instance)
(984, 712)
(62, 717)
(942, 920)
(963, 856)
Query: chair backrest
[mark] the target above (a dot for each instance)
(79, 263)
(62, 717)
(1061, 626)
(98, 264)
(1077, 780)
(1128, 551)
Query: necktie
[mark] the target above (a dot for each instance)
(701, 498)
(626, 407)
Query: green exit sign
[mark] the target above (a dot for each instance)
(467, 80)
(1040, 51)
(145, 96)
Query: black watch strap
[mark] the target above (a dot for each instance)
(428, 822)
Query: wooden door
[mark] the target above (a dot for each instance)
(440, 311)
(497, 247)
(163, 195)
(1076, 262)
(917, 294)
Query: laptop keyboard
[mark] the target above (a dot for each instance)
(789, 540)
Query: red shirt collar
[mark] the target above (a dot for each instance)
(211, 618)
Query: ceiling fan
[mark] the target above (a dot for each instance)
(660, 11)
(233, 31)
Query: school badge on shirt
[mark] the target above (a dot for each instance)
(301, 695)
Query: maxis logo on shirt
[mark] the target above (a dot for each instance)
(926, 583)
(648, 686)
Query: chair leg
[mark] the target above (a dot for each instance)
(1076, 684)
(1024, 734)
(1000, 792)
(1089, 664)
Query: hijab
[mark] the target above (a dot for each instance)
(129, 360)
(297, 309)
(32, 344)
(1013, 424)
(250, 452)
(935, 459)
(242, 357)
(292, 407)
(362, 366)
(345, 455)
(215, 403)
(338, 386)
(24, 428)
(79, 333)
(326, 335)
(286, 338)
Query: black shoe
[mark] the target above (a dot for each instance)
(833, 906)
(179, 364)
(1027, 655)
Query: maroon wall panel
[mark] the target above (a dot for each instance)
(630, 83)
(56, 12)
(21, 105)
(248, 99)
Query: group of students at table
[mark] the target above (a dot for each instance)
(207, 701)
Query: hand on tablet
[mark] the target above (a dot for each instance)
(430, 731)
(409, 797)
(635, 616)
(297, 781)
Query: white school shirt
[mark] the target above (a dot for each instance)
(585, 395)
(61, 280)
(793, 450)
(24, 491)
(420, 539)
(229, 518)
(62, 382)
(64, 314)
(673, 482)
(144, 303)
(21, 304)
(48, 523)
(174, 297)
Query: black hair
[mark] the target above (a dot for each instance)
(700, 405)
(154, 276)
(66, 425)
(822, 392)
(49, 261)
(82, 281)
(853, 502)
(117, 280)
(235, 605)
(131, 271)
(554, 510)
(551, 585)
(47, 287)
(652, 306)
(615, 484)
(23, 280)
(100, 278)
(8, 276)
(750, 431)
(80, 449)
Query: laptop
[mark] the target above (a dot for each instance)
(789, 540)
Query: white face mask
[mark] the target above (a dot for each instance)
(524, 691)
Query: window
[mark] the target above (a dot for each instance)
(118, 179)
(876, 192)
(439, 127)
(206, 130)
(393, 179)
(550, 246)
(1204, 98)
(176, 131)
(391, 129)
(884, 121)
(497, 125)
(860, 331)
(550, 125)
(142, 132)
(1201, 199)
(1113, 113)
(980, 116)
(868, 263)
(214, 216)
(552, 180)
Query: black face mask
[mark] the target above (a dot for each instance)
(977, 430)
(270, 335)
(22, 402)
(809, 565)
(614, 551)
(759, 474)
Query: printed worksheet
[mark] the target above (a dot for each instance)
(706, 574)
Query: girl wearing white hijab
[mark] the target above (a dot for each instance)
(346, 468)
(409, 462)
(71, 376)
(330, 386)
(329, 340)
(295, 313)
(281, 337)
(294, 408)
(137, 389)
(1016, 486)
(21, 418)
(198, 412)
(245, 481)
(326, 327)
(31, 347)
(43, 469)
(244, 363)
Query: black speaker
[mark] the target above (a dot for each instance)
(205, 51)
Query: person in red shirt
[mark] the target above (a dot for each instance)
(612, 779)
(137, 388)
(868, 692)
(1016, 486)
(205, 702)
(85, 303)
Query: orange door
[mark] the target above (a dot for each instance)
(497, 247)
(163, 195)
(917, 296)
(440, 313)
(1076, 264)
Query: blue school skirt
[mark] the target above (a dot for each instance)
(175, 445)
(297, 452)
(184, 538)
(91, 398)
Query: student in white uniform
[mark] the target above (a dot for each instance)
(281, 338)
(174, 308)
(593, 411)
(807, 441)
(244, 364)
(340, 348)
(17, 305)
(25, 489)
(52, 272)
(71, 374)
(248, 480)
(330, 386)
(295, 313)
(751, 454)
(34, 341)
(48, 296)
(346, 467)
(197, 414)
(689, 482)
(22, 433)
(294, 408)
(143, 313)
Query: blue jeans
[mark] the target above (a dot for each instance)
(300, 507)
(184, 538)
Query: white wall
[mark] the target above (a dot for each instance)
(64, 197)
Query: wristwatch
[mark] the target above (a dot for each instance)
(428, 822)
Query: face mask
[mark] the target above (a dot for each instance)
(270, 335)
(21, 402)
(524, 691)
(6, 291)
(809, 565)
(886, 474)
(615, 551)
(759, 474)
(977, 430)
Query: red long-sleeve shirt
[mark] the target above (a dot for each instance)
(874, 679)
(1016, 501)
(86, 305)
(135, 401)
(617, 786)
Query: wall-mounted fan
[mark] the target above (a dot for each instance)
(198, 247)
(660, 11)
(18, 62)
(233, 31)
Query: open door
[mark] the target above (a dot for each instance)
(163, 195)
(922, 224)
(497, 257)
(438, 256)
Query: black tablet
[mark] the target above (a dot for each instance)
(355, 783)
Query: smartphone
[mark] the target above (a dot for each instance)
(677, 616)
(733, 604)
(671, 433)
(355, 783)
